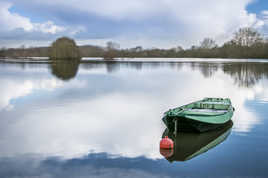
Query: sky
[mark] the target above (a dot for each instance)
(147, 23)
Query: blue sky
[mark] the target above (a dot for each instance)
(258, 6)
(150, 23)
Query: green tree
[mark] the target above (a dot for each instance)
(3, 52)
(64, 49)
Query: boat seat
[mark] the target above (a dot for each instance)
(215, 102)
(207, 110)
(211, 105)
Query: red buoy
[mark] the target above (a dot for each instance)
(167, 153)
(166, 143)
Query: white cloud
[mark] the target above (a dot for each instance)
(168, 22)
(48, 27)
(11, 21)
(264, 15)
(192, 19)
(265, 12)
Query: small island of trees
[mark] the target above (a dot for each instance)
(64, 49)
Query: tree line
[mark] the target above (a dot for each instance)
(246, 43)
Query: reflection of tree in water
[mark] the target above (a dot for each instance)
(92, 65)
(153, 65)
(243, 74)
(115, 66)
(135, 65)
(112, 66)
(246, 74)
(178, 66)
(207, 69)
(64, 70)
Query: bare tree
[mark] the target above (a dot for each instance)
(112, 45)
(247, 37)
(208, 43)
(177, 49)
(23, 51)
(111, 50)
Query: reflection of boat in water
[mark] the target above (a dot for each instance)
(200, 116)
(190, 145)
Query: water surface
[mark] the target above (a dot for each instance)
(103, 119)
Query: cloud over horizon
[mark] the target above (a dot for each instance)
(164, 24)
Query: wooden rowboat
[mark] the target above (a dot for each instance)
(199, 116)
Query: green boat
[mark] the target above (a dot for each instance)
(199, 116)
(190, 145)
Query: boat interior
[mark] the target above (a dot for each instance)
(215, 105)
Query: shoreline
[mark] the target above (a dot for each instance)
(162, 60)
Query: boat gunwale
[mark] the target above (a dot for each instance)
(200, 116)
(229, 109)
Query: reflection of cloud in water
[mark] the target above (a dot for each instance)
(118, 113)
(11, 90)
(260, 92)
(99, 125)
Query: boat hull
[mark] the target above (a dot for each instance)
(189, 125)
(200, 116)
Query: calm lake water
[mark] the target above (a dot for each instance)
(104, 119)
